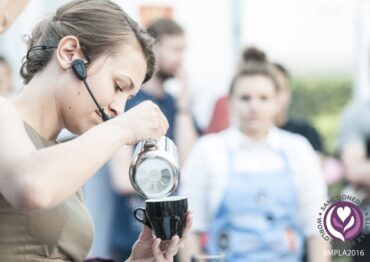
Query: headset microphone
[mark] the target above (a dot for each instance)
(79, 69)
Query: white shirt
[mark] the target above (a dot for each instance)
(204, 176)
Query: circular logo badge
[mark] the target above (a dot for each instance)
(343, 221)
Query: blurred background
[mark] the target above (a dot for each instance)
(323, 43)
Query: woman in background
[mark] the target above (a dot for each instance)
(256, 189)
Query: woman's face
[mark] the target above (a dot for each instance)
(254, 104)
(113, 79)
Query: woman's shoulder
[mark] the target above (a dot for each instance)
(212, 140)
(9, 116)
(293, 140)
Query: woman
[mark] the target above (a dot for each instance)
(256, 189)
(42, 215)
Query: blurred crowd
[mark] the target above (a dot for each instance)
(253, 175)
(251, 154)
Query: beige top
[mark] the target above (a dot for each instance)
(63, 233)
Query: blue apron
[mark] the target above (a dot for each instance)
(258, 218)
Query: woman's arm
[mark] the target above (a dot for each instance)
(33, 179)
(119, 166)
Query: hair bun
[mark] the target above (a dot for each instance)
(253, 54)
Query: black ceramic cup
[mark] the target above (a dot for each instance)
(166, 216)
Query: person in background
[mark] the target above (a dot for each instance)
(6, 85)
(297, 126)
(9, 11)
(169, 50)
(332, 167)
(250, 210)
(220, 118)
(354, 149)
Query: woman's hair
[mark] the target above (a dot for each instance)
(282, 69)
(254, 63)
(101, 26)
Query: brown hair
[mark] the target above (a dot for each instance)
(254, 63)
(100, 26)
(164, 27)
(282, 69)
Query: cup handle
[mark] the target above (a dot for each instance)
(179, 224)
(143, 220)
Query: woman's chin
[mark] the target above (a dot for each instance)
(255, 129)
(78, 129)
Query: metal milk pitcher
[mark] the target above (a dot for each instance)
(154, 170)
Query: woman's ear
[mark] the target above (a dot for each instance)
(230, 103)
(67, 51)
(277, 104)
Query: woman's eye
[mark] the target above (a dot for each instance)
(264, 98)
(245, 98)
(117, 88)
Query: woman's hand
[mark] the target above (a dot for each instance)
(144, 121)
(148, 248)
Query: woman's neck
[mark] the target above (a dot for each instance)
(38, 107)
(254, 135)
(281, 119)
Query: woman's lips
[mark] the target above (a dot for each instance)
(253, 117)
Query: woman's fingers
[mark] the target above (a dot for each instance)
(164, 251)
(163, 126)
(189, 223)
(168, 251)
(146, 233)
(157, 252)
(172, 248)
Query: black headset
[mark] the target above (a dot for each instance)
(79, 68)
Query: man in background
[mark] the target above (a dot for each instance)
(354, 149)
(169, 50)
(9, 10)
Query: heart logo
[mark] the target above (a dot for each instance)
(343, 221)
(343, 213)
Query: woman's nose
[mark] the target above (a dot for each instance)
(254, 103)
(117, 107)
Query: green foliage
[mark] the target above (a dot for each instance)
(320, 101)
